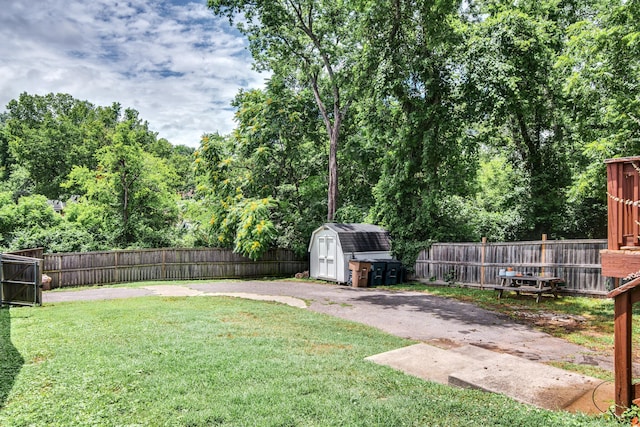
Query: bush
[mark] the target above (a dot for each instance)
(66, 237)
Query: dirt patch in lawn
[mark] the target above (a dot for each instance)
(550, 321)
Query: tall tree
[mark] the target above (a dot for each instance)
(5, 161)
(236, 220)
(601, 72)
(132, 189)
(276, 142)
(313, 44)
(50, 134)
(516, 97)
(266, 177)
(428, 160)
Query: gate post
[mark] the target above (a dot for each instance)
(624, 297)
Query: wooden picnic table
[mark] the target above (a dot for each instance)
(537, 285)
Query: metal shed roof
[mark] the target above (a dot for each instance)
(361, 237)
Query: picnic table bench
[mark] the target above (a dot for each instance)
(537, 285)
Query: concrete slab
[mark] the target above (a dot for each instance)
(526, 381)
(183, 291)
(521, 379)
(173, 291)
(423, 361)
(291, 301)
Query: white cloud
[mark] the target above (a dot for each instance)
(175, 63)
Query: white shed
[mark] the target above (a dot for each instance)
(333, 245)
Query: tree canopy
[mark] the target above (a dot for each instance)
(445, 121)
(312, 44)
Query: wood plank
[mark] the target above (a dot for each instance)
(619, 263)
(619, 209)
(622, 352)
(611, 208)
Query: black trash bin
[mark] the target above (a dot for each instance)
(376, 275)
(393, 272)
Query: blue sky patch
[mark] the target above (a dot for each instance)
(173, 61)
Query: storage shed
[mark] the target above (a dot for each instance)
(333, 245)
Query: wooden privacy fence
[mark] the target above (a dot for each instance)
(96, 268)
(20, 280)
(576, 261)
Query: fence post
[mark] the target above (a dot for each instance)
(482, 260)
(543, 254)
(116, 274)
(60, 271)
(163, 268)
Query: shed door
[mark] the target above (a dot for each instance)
(327, 256)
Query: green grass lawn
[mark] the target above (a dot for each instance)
(205, 361)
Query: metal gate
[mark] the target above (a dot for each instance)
(20, 280)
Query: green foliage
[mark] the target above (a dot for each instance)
(5, 157)
(601, 78)
(92, 217)
(181, 159)
(34, 212)
(271, 163)
(194, 228)
(31, 216)
(516, 100)
(130, 194)
(32, 222)
(497, 213)
(237, 221)
(351, 214)
(313, 45)
(449, 120)
(630, 415)
(49, 134)
(19, 182)
(7, 213)
(64, 237)
(251, 226)
(427, 161)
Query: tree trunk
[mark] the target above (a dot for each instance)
(333, 130)
(332, 200)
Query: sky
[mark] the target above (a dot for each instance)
(171, 60)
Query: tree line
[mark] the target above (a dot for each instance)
(441, 121)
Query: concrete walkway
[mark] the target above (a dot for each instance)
(462, 344)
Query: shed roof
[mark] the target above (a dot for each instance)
(361, 237)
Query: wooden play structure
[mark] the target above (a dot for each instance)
(621, 260)
(622, 256)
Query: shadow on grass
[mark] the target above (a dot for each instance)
(10, 359)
